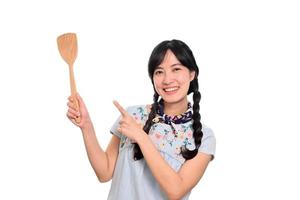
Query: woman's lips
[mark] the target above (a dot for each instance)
(170, 90)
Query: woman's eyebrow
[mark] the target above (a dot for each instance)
(173, 65)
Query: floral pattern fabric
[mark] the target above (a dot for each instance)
(168, 134)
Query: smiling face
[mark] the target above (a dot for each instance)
(172, 80)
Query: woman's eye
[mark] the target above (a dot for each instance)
(177, 69)
(158, 72)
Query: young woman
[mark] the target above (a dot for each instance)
(158, 151)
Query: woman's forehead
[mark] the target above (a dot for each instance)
(169, 60)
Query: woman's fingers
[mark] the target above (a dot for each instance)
(82, 108)
(74, 112)
(71, 105)
(73, 121)
(71, 115)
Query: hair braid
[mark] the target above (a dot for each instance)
(197, 126)
(136, 149)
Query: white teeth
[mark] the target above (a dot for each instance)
(170, 89)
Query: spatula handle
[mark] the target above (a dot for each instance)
(74, 91)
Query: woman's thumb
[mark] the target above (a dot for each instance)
(80, 101)
(78, 97)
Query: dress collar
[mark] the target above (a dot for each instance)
(177, 119)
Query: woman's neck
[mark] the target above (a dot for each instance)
(177, 108)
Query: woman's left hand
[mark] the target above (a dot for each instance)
(129, 126)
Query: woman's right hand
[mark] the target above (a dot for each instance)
(82, 112)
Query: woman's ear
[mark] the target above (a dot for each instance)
(192, 75)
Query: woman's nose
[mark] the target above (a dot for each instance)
(168, 79)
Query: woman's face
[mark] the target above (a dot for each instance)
(172, 80)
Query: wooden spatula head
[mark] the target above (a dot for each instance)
(67, 46)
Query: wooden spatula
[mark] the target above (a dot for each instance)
(67, 46)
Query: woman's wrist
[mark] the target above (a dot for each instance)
(140, 137)
(87, 127)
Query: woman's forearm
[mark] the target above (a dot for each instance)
(168, 179)
(97, 157)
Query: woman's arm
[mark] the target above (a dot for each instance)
(102, 162)
(176, 185)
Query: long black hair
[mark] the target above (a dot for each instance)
(185, 56)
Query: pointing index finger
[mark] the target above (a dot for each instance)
(120, 108)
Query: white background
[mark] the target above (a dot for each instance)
(248, 55)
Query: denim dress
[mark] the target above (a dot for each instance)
(133, 179)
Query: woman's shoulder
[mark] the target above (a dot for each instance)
(207, 131)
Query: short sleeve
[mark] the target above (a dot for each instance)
(208, 142)
(114, 128)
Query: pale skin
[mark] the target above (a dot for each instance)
(170, 74)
